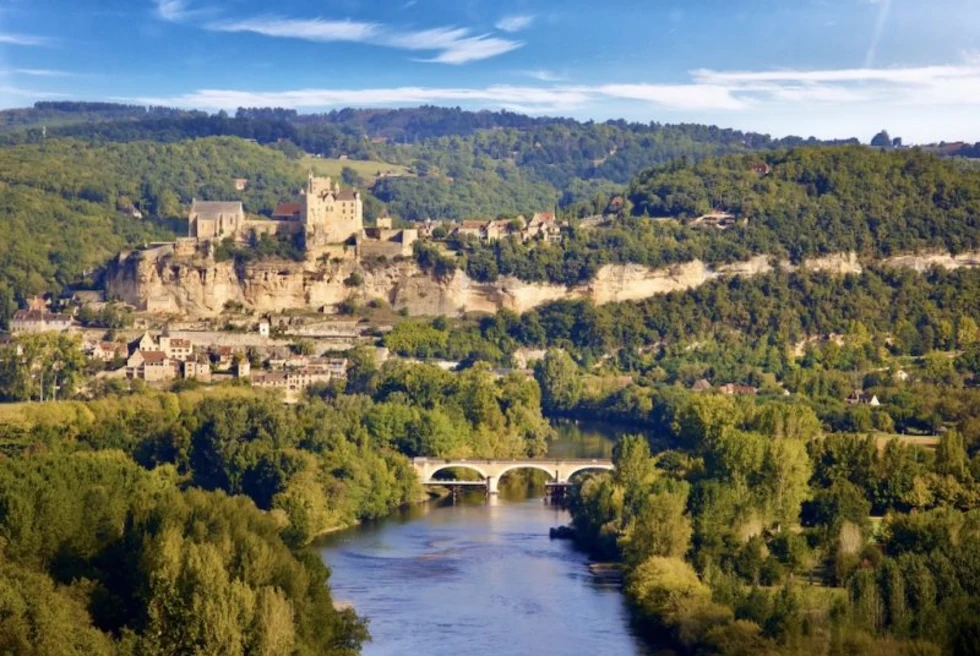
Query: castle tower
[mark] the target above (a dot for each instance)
(330, 215)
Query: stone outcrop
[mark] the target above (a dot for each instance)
(160, 281)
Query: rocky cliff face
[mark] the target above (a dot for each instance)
(158, 281)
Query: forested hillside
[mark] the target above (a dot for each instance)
(552, 151)
(67, 206)
(812, 202)
(826, 200)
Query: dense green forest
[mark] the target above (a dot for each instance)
(814, 201)
(720, 541)
(162, 523)
(503, 162)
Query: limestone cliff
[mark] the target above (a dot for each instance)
(160, 281)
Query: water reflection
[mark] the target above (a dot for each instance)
(477, 577)
(480, 576)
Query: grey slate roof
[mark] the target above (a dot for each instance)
(215, 208)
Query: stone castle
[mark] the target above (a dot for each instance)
(331, 220)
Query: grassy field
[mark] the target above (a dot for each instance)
(927, 441)
(366, 169)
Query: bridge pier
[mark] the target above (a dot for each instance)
(492, 482)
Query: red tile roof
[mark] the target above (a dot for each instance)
(287, 210)
(154, 357)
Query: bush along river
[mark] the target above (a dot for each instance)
(481, 576)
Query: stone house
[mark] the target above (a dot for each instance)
(730, 389)
(197, 368)
(109, 351)
(176, 349)
(151, 367)
(39, 321)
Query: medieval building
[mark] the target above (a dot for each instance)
(211, 220)
(331, 216)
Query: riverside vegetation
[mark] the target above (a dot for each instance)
(159, 523)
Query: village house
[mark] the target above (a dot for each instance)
(544, 226)
(109, 351)
(37, 319)
(176, 349)
(701, 386)
(858, 397)
(719, 220)
(151, 367)
(197, 368)
(334, 367)
(223, 358)
(730, 389)
(291, 381)
(243, 368)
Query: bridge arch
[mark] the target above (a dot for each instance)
(528, 465)
(588, 467)
(455, 465)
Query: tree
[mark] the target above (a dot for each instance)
(303, 347)
(351, 177)
(951, 457)
(558, 376)
(882, 140)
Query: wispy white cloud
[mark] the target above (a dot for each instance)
(316, 29)
(177, 11)
(810, 96)
(37, 72)
(452, 45)
(515, 22)
(544, 75)
(171, 10)
(6, 38)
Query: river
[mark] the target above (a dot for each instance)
(482, 577)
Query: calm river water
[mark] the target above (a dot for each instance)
(479, 577)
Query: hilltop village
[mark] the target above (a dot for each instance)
(331, 222)
(281, 349)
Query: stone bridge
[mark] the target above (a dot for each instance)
(491, 470)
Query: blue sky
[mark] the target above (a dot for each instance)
(810, 67)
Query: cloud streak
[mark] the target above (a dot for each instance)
(544, 75)
(451, 45)
(37, 72)
(515, 22)
(734, 92)
(6, 38)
